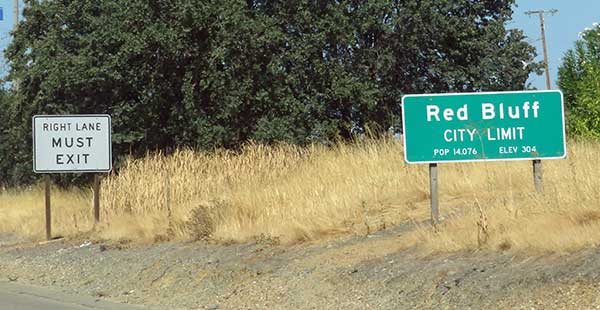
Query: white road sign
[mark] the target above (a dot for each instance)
(72, 143)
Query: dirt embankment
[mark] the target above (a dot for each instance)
(359, 272)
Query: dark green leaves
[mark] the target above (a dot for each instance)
(211, 74)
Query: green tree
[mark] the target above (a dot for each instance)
(12, 159)
(579, 80)
(446, 46)
(208, 74)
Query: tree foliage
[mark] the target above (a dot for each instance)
(208, 74)
(579, 79)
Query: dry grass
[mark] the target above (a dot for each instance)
(22, 212)
(565, 218)
(282, 192)
(288, 194)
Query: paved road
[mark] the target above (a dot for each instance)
(21, 297)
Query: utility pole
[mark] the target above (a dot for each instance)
(541, 14)
(15, 14)
(537, 164)
(15, 26)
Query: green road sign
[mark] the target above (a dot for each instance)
(521, 125)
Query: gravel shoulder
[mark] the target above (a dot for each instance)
(348, 272)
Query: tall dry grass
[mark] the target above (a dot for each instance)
(566, 217)
(22, 212)
(283, 192)
(287, 193)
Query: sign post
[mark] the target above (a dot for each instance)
(48, 208)
(96, 189)
(492, 126)
(433, 188)
(537, 175)
(72, 144)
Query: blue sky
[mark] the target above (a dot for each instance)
(562, 29)
(6, 25)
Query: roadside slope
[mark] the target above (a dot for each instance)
(356, 272)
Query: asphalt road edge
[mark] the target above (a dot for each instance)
(49, 294)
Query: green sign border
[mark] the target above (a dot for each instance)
(562, 107)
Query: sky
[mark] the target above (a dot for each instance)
(6, 24)
(562, 29)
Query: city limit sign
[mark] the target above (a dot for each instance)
(72, 143)
(521, 125)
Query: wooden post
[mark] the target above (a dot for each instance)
(96, 190)
(15, 14)
(48, 209)
(15, 82)
(537, 175)
(537, 164)
(433, 184)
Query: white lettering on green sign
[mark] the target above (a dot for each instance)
(483, 126)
